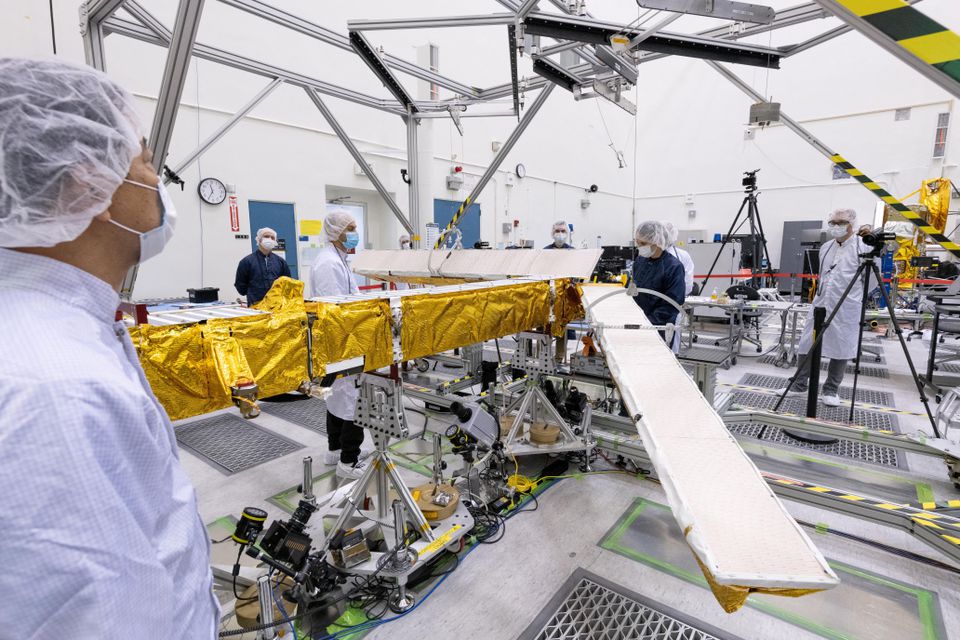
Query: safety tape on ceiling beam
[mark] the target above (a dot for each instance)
(861, 405)
(901, 208)
(945, 526)
(913, 31)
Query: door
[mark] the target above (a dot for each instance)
(791, 253)
(443, 211)
(280, 217)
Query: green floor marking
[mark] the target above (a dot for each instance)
(286, 500)
(928, 613)
(922, 488)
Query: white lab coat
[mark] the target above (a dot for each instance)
(684, 256)
(330, 276)
(102, 538)
(838, 264)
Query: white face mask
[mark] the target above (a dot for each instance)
(559, 239)
(837, 232)
(269, 244)
(153, 241)
(645, 251)
(404, 245)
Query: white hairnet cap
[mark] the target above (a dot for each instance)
(262, 231)
(404, 238)
(336, 222)
(68, 135)
(560, 225)
(846, 215)
(652, 232)
(672, 233)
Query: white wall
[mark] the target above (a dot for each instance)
(689, 131)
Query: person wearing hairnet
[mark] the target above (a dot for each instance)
(839, 259)
(257, 272)
(560, 234)
(101, 531)
(659, 271)
(330, 275)
(682, 255)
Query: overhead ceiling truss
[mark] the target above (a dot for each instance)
(610, 55)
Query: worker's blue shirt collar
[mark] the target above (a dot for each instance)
(59, 280)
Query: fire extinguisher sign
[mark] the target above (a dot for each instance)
(234, 214)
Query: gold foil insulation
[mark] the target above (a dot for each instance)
(433, 324)
(733, 597)
(350, 330)
(191, 368)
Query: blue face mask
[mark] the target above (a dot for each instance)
(352, 240)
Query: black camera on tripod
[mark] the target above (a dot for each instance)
(878, 239)
(749, 180)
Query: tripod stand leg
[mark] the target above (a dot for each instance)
(906, 353)
(723, 244)
(856, 364)
(763, 237)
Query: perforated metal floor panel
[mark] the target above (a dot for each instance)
(232, 444)
(588, 607)
(310, 413)
(704, 354)
(884, 398)
(797, 406)
(853, 449)
(865, 369)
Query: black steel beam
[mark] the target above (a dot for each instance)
(370, 56)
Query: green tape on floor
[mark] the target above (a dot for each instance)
(925, 602)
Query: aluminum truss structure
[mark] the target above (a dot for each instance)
(610, 52)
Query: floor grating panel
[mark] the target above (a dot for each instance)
(884, 398)
(865, 370)
(797, 406)
(310, 413)
(232, 444)
(852, 449)
(589, 607)
(704, 354)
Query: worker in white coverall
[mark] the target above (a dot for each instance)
(683, 255)
(101, 535)
(839, 259)
(330, 275)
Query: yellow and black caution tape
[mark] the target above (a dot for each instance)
(901, 208)
(861, 405)
(914, 32)
(946, 526)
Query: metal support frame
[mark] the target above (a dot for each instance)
(913, 217)
(500, 157)
(867, 28)
(213, 54)
(413, 175)
(491, 19)
(92, 16)
(174, 76)
(372, 58)
(352, 148)
(225, 127)
(328, 36)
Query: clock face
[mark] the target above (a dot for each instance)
(212, 191)
(521, 171)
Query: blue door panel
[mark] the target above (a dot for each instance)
(443, 211)
(280, 217)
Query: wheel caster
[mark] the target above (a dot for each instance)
(759, 350)
(693, 339)
(733, 360)
(717, 343)
(938, 398)
(879, 359)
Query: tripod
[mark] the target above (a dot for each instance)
(867, 267)
(758, 240)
